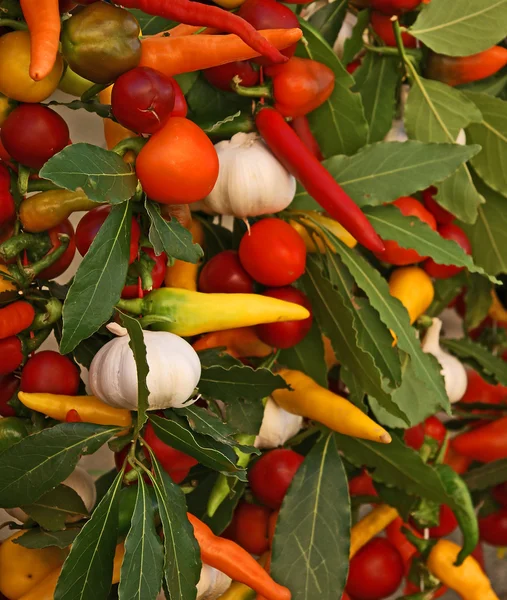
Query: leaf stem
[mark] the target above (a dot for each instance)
(93, 91)
(13, 24)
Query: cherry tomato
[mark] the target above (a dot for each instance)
(225, 274)
(221, 77)
(63, 263)
(446, 526)
(33, 133)
(90, 224)
(273, 253)
(272, 474)
(394, 7)
(432, 427)
(142, 99)
(456, 234)
(414, 436)
(269, 14)
(49, 372)
(157, 274)
(493, 528)
(383, 27)
(499, 492)
(249, 527)
(362, 485)
(9, 385)
(394, 254)
(442, 216)
(180, 104)
(376, 571)
(288, 333)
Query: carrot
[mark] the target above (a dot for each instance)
(174, 55)
(43, 20)
(15, 317)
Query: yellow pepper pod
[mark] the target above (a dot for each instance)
(414, 289)
(315, 243)
(496, 311)
(89, 408)
(6, 285)
(182, 274)
(238, 591)
(469, 580)
(370, 526)
(310, 400)
(48, 209)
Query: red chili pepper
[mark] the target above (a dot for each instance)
(362, 485)
(285, 144)
(15, 317)
(11, 354)
(73, 417)
(195, 13)
(302, 127)
(7, 207)
(486, 443)
(398, 539)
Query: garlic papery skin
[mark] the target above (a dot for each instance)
(453, 371)
(174, 371)
(397, 132)
(462, 138)
(277, 427)
(212, 584)
(251, 181)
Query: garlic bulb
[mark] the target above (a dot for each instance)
(345, 33)
(277, 427)
(462, 138)
(212, 584)
(175, 370)
(251, 181)
(453, 371)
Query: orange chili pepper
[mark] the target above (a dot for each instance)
(15, 317)
(241, 342)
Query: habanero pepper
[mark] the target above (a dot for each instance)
(240, 343)
(15, 318)
(486, 443)
(285, 144)
(7, 206)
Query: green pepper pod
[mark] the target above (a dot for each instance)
(12, 430)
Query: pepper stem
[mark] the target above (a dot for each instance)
(257, 91)
(93, 91)
(24, 241)
(32, 271)
(134, 144)
(30, 345)
(51, 315)
(13, 24)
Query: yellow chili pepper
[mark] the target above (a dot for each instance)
(315, 243)
(229, 3)
(182, 274)
(413, 288)
(310, 400)
(241, 342)
(496, 311)
(469, 580)
(6, 285)
(370, 526)
(89, 408)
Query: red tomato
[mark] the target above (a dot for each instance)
(376, 571)
(499, 492)
(225, 274)
(90, 224)
(456, 234)
(383, 27)
(180, 104)
(394, 7)
(273, 253)
(493, 528)
(62, 264)
(49, 372)
(221, 77)
(177, 464)
(249, 527)
(7, 206)
(447, 524)
(272, 474)
(394, 254)
(142, 99)
(33, 133)
(414, 436)
(157, 274)
(362, 485)
(432, 427)
(9, 385)
(442, 216)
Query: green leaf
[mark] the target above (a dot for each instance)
(473, 353)
(377, 82)
(329, 19)
(307, 356)
(142, 567)
(217, 238)
(176, 432)
(384, 171)
(208, 103)
(103, 175)
(411, 232)
(56, 506)
(478, 301)
(88, 570)
(99, 280)
(461, 27)
(171, 237)
(245, 415)
(445, 291)
(138, 347)
(150, 24)
(311, 544)
(485, 476)
(41, 461)
(339, 124)
(182, 565)
(494, 86)
(398, 499)
(491, 134)
(354, 44)
(38, 538)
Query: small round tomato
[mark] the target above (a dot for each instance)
(272, 474)
(9, 385)
(249, 527)
(414, 436)
(49, 372)
(383, 27)
(142, 99)
(431, 427)
(446, 525)
(493, 528)
(221, 77)
(456, 234)
(442, 216)
(225, 274)
(394, 7)
(376, 571)
(273, 253)
(158, 272)
(63, 263)
(434, 428)
(393, 253)
(288, 333)
(362, 485)
(33, 133)
(90, 224)
(499, 493)
(180, 108)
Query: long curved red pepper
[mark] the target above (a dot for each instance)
(15, 317)
(302, 127)
(285, 144)
(195, 13)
